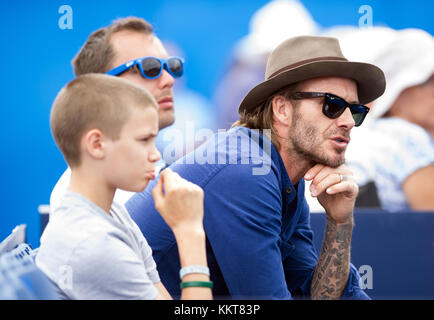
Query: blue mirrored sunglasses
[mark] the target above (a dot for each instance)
(152, 67)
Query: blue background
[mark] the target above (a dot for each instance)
(36, 62)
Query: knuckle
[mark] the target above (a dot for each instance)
(199, 191)
(355, 188)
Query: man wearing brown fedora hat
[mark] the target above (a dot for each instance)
(294, 126)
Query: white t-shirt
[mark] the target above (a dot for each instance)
(121, 196)
(89, 254)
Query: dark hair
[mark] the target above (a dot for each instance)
(97, 52)
(262, 116)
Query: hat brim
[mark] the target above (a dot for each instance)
(370, 79)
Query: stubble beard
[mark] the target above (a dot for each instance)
(166, 118)
(306, 141)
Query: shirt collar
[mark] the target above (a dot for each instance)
(289, 192)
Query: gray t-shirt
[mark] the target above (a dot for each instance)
(89, 254)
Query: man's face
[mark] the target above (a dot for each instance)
(129, 45)
(130, 160)
(314, 136)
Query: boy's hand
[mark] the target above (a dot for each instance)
(181, 202)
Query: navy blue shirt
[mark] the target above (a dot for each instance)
(257, 223)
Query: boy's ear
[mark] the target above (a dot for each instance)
(93, 141)
(281, 110)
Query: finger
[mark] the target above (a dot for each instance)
(157, 192)
(329, 180)
(166, 171)
(326, 171)
(170, 179)
(349, 186)
(312, 172)
(321, 175)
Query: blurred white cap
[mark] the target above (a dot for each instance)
(405, 56)
(275, 22)
(406, 62)
(361, 44)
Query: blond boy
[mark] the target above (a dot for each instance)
(91, 248)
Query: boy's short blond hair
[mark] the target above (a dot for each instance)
(93, 101)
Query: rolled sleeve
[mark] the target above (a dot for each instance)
(353, 291)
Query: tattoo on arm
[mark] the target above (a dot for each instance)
(333, 268)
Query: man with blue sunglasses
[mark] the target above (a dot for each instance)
(129, 49)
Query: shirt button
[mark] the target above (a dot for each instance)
(288, 190)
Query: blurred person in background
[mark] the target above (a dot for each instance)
(273, 23)
(398, 152)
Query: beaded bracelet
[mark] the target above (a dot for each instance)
(204, 284)
(193, 269)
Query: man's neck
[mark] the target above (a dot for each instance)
(87, 185)
(295, 165)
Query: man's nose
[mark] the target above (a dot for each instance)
(165, 80)
(346, 119)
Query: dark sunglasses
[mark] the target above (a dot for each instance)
(152, 67)
(334, 106)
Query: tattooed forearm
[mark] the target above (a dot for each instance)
(332, 271)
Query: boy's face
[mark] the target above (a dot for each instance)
(130, 161)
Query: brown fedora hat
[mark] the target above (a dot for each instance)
(306, 57)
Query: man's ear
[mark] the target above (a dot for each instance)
(93, 141)
(281, 110)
